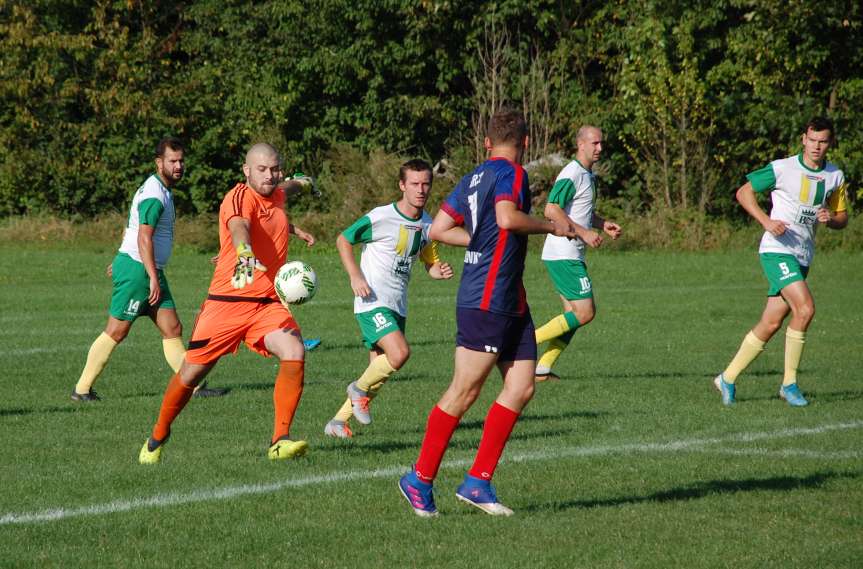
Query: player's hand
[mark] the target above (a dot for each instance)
(823, 215)
(612, 229)
(214, 260)
(308, 183)
(592, 238)
(441, 271)
(566, 230)
(360, 287)
(109, 270)
(307, 237)
(775, 227)
(246, 265)
(155, 292)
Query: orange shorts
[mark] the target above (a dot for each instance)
(222, 325)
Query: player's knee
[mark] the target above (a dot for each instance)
(805, 311)
(585, 316)
(118, 334)
(172, 331)
(399, 357)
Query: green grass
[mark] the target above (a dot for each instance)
(630, 461)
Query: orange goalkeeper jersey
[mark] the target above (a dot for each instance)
(269, 236)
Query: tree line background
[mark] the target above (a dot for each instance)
(691, 94)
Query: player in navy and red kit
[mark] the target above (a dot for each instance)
(489, 213)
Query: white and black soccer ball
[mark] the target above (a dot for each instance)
(296, 283)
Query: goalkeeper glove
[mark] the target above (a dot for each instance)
(245, 267)
(308, 182)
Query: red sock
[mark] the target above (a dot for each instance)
(286, 396)
(441, 425)
(176, 396)
(498, 426)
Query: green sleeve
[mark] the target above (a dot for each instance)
(762, 180)
(562, 192)
(360, 231)
(149, 212)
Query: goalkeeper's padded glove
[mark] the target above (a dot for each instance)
(308, 182)
(247, 264)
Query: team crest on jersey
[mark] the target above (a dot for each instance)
(410, 242)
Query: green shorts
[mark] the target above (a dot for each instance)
(377, 323)
(781, 270)
(132, 288)
(570, 278)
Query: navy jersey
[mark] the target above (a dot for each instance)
(494, 260)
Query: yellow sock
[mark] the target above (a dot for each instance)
(552, 352)
(346, 412)
(794, 342)
(379, 370)
(97, 357)
(750, 349)
(174, 352)
(557, 326)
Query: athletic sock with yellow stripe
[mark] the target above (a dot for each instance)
(552, 352)
(750, 348)
(557, 326)
(97, 357)
(174, 352)
(794, 342)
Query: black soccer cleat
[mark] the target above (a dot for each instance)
(83, 397)
(204, 391)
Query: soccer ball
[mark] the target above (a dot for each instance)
(296, 283)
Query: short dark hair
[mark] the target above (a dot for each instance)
(507, 126)
(818, 124)
(415, 165)
(171, 142)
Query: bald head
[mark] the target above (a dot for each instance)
(263, 168)
(589, 141)
(262, 150)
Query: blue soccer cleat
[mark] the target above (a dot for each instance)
(419, 494)
(726, 389)
(791, 394)
(311, 344)
(480, 493)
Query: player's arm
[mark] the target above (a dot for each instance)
(359, 284)
(555, 213)
(445, 229)
(304, 235)
(435, 268)
(247, 263)
(835, 215)
(510, 218)
(612, 229)
(148, 258)
(746, 198)
(298, 183)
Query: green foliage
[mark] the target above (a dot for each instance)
(691, 94)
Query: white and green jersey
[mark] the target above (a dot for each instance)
(392, 242)
(798, 192)
(575, 192)
(152, 205)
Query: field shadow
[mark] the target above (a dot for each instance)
(835, 395)
(677, 375)
(477, 424)
(704, 489)
(21, 411)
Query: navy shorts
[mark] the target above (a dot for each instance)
(513, 337)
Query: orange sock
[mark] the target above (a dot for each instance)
(286, 396)
(176, 396)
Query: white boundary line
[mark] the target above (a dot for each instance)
(230, 492)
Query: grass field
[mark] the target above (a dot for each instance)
(629, 461)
